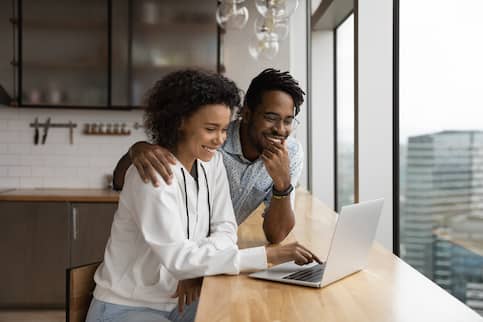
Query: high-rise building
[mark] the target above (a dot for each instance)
(458, 261)
(442, 217)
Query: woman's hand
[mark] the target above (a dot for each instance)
(151, 158)
(187, 292)
(292, 252)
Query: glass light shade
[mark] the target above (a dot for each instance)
(272, 26)
(266, 48)
(230, 16)
(280, 9)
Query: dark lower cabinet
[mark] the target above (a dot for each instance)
(34, 247)
(39, 240)
(91, 227)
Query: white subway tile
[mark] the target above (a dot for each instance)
(43, 172)
(103, 162)
(7, 113)
(98, 182)
(66, 182)
(57, 163)
(76, 161)
(87, 172)
(19, 171)
(3, 124)
(9, 182)
(49, 149)
(26, 137)
(9, 159)
(18, 125)
(53, 172)
(8, 136)
(31, 182)
(32, 160)
(19, 148)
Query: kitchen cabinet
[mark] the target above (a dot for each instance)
(34, 247)
(39, 240)
(165, 35)
(107, 53)
(91, 227)
(63, 53)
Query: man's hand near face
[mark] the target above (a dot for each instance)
(279, 218)
(277, 162)
(188, 291)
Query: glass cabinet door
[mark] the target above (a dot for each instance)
(168, 35)
(64, 53)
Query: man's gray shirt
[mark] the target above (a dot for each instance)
(250, 183)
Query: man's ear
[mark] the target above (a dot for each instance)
(245, 114)
(181, 124)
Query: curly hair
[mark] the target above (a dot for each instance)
(180, 94)
(273, 79)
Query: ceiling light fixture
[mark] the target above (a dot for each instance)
(271, 27)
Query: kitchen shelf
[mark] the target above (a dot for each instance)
(176, 26)
(67, 25)
(164, 68)
(65, 65)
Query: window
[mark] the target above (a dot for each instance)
(441, 144)
(344, 112)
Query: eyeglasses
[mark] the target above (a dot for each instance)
(274, 119)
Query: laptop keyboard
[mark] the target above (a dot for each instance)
(311, 274)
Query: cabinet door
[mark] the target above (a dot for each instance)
(151, 38)
(63, 53)
(34, 247)
(91, 228)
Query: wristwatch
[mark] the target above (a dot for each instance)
(281, 194)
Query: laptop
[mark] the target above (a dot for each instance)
(352, 239)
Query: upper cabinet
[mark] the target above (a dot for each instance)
(63, 57)
(107, 54)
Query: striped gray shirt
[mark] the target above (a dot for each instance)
(250, 183)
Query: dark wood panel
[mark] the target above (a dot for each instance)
(94, 222)
(34, 247)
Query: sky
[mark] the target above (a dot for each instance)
(441, 66)
(440, 71)
(345, 81)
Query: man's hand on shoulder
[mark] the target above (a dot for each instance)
(151, 158)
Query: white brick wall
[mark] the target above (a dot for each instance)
(58, 164)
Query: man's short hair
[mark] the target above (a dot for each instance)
(272, 79)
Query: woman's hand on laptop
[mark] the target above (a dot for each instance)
(291, 252)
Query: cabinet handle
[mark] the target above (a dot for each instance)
(75, 231)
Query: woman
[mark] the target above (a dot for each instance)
(164, 238)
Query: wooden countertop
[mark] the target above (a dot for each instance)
(61, 195)
(388, 289)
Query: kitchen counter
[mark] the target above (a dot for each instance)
(61, 195)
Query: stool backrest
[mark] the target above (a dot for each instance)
(80, 285)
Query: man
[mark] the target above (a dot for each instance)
(263, 163)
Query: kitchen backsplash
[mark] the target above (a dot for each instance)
(57, 163)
